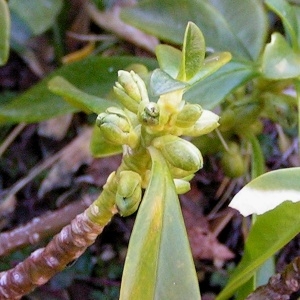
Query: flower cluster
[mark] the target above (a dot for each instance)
(142, 123)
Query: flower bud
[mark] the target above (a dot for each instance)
(232, 162)
(207, 122)
(149, 113)
(182, 186)
(179, 153)
(129, 192)
(116, 128)
(130, 90)
(188, 116)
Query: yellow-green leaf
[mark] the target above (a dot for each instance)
(193, 52)
(79, 99)
(159, 264)
(100, 147)
(4, 32)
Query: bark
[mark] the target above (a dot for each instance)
(65, 247)
(281, 285)
(41, 227)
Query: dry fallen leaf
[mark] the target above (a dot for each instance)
(75, 154)
(204, 243)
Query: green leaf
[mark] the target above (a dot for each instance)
(39, 15)
(94, 75)
(269, 234)
(79, 99)
(240, 15)
(210, 65)
(257, 158)
(287, 14)
(100, 147)
(213, 89)
(193, 52)
(279, 59)
(159, 264)
(4, 32)
(267, 191)
(169, 59)
(162, 83)
(168, 19)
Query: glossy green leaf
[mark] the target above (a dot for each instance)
(162, 83)
(169, 59)
(159, 263)
(257, 158)
(83, 101)
(39, 15)
(168, 19)
(279, 59)
(289, 18)
(240, 16)
(193, 52)
(210, 65)
(269, 234)
(4, 32)
(267, 191)
(100, 147)
(94, 75)
(213, 89)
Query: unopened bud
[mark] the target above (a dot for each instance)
(182, 186)
(129, 193)
(188, 116)
(149, 113)
(179, 153)
(207, 122)
(116, 128)
(130, 90)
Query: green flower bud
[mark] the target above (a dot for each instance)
(207, 122)
(149, 113)
(129, 192)
(182, 186)
(232, 161)
(116, 128)
(179, 153)
(130, 90)
(188, 116)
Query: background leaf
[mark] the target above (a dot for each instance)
(4, 32)
(267, 191)
(288, 15)
(159, 263)
(167, 20)
(240, 15)
(214, 88)
(280, 61)
(265, 238)
(83, 101)
(94, 75)
(39, 15)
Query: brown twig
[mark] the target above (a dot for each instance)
(280, 285)
(11, 137)
(41, 227)
(44, 263)
(110, 20)
(65, 247)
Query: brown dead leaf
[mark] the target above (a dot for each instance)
(55, 128)
(204, 243)
(74, 155)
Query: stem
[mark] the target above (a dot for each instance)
(41, 227)
(281, 285)
(65, 247)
